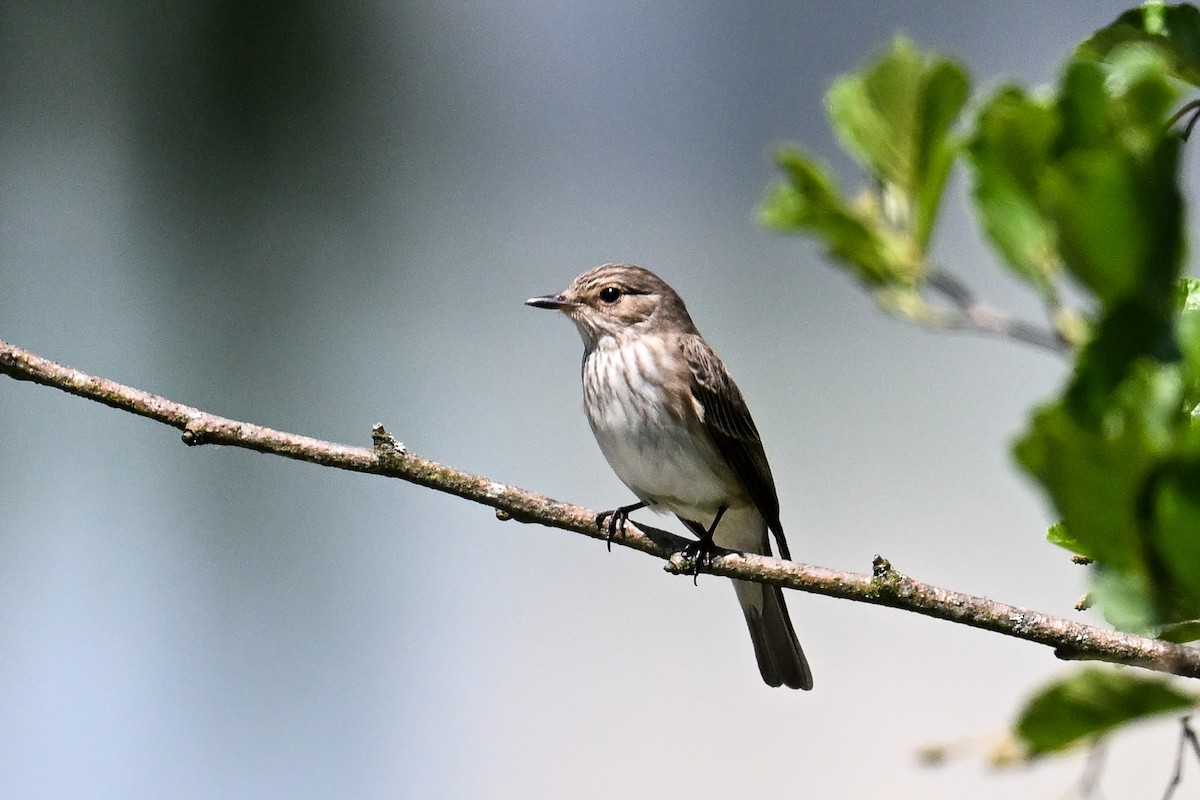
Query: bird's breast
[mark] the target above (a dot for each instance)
(637, 397)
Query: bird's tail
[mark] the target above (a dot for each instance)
(781, 661)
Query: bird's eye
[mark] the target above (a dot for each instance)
(610, 294)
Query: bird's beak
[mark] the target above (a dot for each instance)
(554, 301)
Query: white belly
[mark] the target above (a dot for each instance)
(668, 464)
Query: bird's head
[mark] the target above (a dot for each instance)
(619, 300)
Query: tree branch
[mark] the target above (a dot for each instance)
(885, 586)
(968, 312)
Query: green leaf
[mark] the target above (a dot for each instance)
(1089, 180)
(1095, 460)
(1174, 29)
(1119, 455)
(1187, 305)
(1091, 703)
(895, 117)
(1112, 193)
(1132, 333)
(808, 202)
(1058, 535)
(1082, 106)
(1177, 518)
(1149, 603)
(1091, 196)
(1136, 75)
(1126, 600)
(1181, 632)
(945, 94)
(1010, 151)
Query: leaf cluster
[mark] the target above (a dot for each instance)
(1076, 186)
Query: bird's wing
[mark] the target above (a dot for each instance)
(727, 420)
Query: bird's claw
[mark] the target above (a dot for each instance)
(700, 552)
(616, 519)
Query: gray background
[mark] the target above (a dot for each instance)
(316, 218)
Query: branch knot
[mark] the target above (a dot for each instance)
(384, 444)
(886, 581)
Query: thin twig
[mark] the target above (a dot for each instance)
(1186, 736)
(968, 312)
(885, 586)
(1190, 107)
(1089, 781)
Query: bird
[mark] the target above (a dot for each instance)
(676, 430)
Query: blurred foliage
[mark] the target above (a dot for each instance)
(1092, 702)
(896, 119)
(1075, 186)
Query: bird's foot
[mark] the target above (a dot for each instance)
(704, 548)
(701, 552)
(616, 519)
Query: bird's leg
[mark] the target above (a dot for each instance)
(703, 549)
(616, 518)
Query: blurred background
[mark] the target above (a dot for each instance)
(319, 216)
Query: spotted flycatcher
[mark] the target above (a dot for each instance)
(675, 429)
